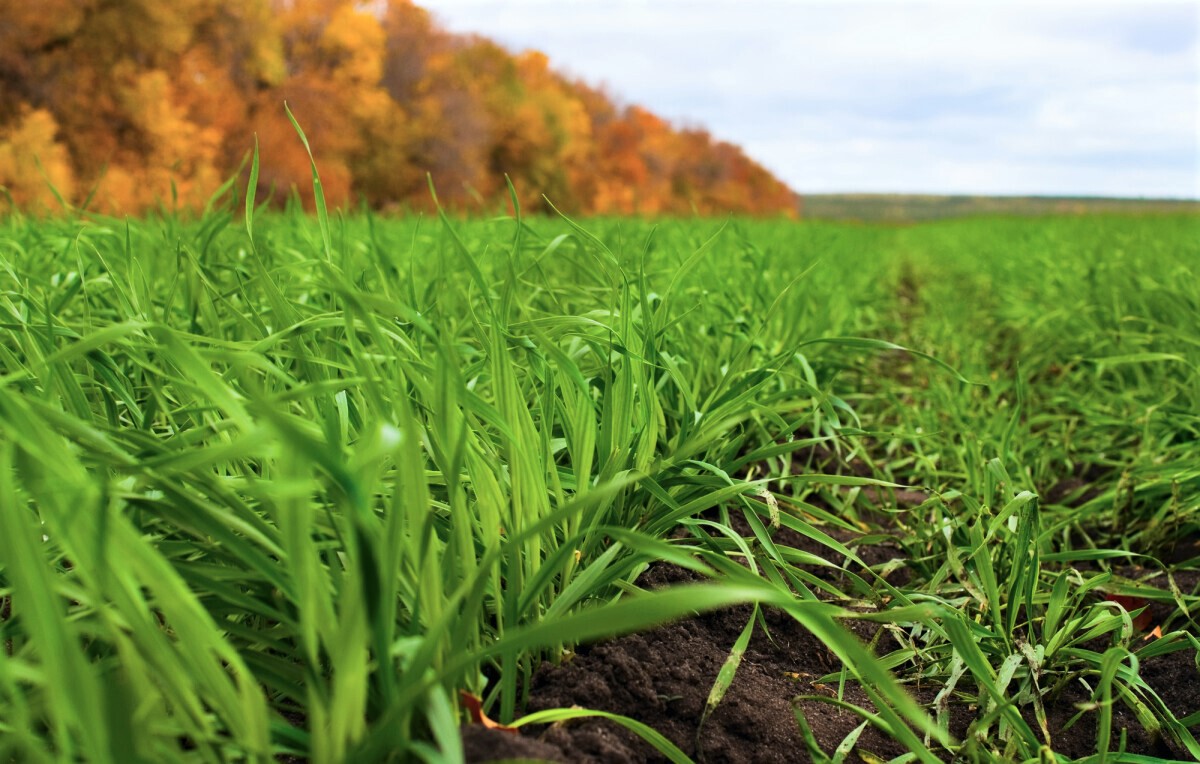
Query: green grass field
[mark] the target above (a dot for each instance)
(273, 485)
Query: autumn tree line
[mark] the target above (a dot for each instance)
(133, 105)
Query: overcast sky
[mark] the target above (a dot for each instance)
(1098, 98)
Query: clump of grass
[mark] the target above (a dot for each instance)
(287, 490)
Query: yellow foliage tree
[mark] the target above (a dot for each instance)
(33, 165)
(153, 104)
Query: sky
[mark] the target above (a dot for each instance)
(1055, 98)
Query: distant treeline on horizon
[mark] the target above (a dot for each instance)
(144, 105)
(917, 207)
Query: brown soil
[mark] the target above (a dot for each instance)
(662, 678)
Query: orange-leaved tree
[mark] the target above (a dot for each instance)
(142, 104)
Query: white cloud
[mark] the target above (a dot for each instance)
(989, 98)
